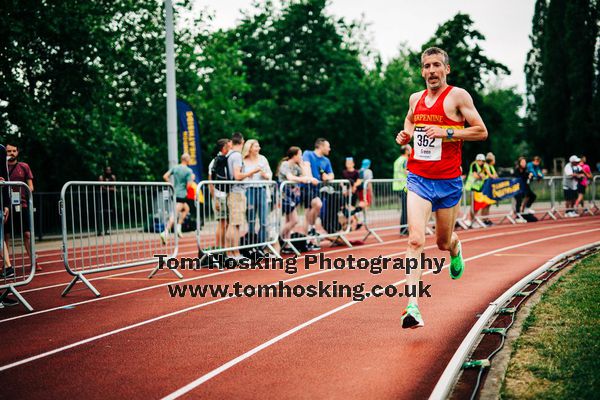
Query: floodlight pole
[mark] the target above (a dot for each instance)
(171, 99)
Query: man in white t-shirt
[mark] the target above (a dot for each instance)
(236, 199)
(572, 174)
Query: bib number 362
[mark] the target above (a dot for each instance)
(427, 149)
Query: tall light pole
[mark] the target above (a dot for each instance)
(171, 98)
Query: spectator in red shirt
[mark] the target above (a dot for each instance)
(19, 171)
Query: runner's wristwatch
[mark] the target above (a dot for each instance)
(450, 133)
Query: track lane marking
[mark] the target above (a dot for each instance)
(217, 371)
(272, 341)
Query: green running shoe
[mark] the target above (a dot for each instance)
(457, 264)
(411, 317)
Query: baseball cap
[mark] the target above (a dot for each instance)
(574, 158)
(349, 159)
(490, 156)
(480, 157)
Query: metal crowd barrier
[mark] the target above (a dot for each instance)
(109, 226)
(543, 190)
(335, 218)
(559, 207)
(594, 193)
(506, 210)
(18, 261)
(236, 216)
(388, 205)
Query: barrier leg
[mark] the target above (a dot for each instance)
(270, 247)
(85, 282)
(371, 232)
(345, 240)
(20, 298)
(291, 245)
(155, 270)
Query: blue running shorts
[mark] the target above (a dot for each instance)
(441, 193)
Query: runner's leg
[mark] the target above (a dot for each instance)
(420, 212)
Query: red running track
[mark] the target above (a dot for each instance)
(138, 342)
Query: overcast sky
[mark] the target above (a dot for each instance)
(506, 24)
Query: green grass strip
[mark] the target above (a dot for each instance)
(557, 355)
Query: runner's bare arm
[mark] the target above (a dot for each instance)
(405, 135)
(465, 107)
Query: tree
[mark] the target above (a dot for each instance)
(533, 65)
(306, 81)
(560, 76)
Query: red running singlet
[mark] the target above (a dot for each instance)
(438, 158)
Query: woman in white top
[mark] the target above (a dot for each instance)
(256, 194)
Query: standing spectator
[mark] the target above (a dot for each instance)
(401, 173)
(182, 175)
(105, 208)
(256, 194)
(219, 197)
(291, 168)
(583, 183)
(8, 270)
(236, 198)
(474, 182)
(572, 175)
(490, 172)
(533, 167)
(365, 191)
(527, 197)
(18, 217)
(321, 170)
(351, 174)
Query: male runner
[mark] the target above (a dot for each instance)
(436, 119)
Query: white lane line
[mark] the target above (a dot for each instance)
(192, 385)
(199, 306)
(95, 299)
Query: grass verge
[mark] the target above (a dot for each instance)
(557, 355)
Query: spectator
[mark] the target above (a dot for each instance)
(8, 270)
(533, 166)
(219, 197)
(236, 198)
(106, 210)
(365, 192)
(292, 168)
(583, 183)
(352, 175)
(256, 194)
(401, 173)
(474, 182)
(527, 197)
(490, 172)
(572, 175)
(182, 174)
(18, 217)
(320, 168)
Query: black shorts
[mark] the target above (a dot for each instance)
(309, 192)
(17, 222)
(581, 188)
(570, 194)
(291, 198)
(184, 200)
